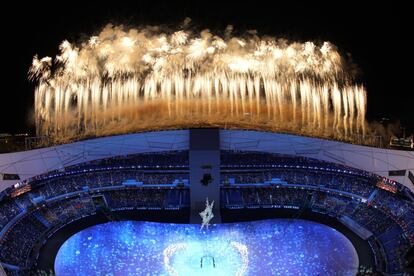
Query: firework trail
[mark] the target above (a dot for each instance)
(145, 78)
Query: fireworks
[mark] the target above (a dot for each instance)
(134, 79)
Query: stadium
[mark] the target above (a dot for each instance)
(168, 150)
(291, 189)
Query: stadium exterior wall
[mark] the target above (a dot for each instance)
(28, 164)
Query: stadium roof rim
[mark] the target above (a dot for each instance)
(27, 164)
(225, 126)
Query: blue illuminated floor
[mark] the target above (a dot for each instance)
(268, 247)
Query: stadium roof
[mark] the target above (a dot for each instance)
(28, 164)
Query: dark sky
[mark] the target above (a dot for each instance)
(376, 37)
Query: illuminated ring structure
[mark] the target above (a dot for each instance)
(172, 249)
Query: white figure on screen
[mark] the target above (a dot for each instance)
(207, 215)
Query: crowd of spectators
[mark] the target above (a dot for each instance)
(301, 182)
(8, 210)
(323, 179)
(231, 160)
(395, 246)
(146, 198)
(170, 159)
(107, 177)
(401, 208)
(17, 242)
(384, 228)
(256, 159)
(16, 245)
(58, 213)
(101, 179)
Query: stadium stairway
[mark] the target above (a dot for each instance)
(42, 219)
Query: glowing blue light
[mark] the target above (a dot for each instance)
(269, 247)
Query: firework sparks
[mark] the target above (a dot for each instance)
(131, 79)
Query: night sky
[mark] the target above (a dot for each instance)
(375, 36)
